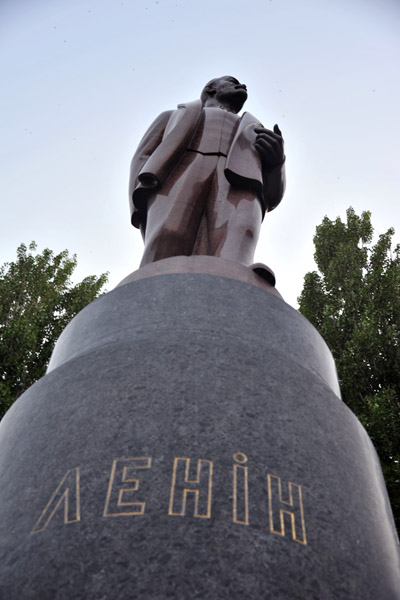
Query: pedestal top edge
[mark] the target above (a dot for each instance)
(205, 265)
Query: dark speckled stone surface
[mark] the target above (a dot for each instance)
(95, 501)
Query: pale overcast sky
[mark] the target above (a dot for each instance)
(82, 80)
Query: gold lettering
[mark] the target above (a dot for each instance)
(293, 508)
(119, 499)
(240, 490)
(67, 493)
(200, 487)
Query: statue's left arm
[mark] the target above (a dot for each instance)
(270, 146)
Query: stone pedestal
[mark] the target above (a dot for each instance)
(189, 441)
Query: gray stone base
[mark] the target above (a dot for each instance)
(188, 442)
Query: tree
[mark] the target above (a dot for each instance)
(354, 302)
(37, 301)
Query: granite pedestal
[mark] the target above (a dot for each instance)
(189, 441)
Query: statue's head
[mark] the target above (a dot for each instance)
(226, 91)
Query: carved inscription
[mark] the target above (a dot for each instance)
(190, 495)
(66, 495)
(292, 508)
(123, 485)
(240, 507)
(200, 488)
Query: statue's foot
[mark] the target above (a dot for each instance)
(264, 272)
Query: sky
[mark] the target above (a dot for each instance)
(81, 80)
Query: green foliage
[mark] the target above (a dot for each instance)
(37, 302)
(354, 302)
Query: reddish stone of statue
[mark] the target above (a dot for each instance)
(203, 177)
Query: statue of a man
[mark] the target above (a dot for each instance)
(203, 177)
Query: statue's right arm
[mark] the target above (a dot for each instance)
(149, 142)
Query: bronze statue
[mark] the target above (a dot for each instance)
(202, 178)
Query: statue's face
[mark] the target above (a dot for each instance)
(229, 90)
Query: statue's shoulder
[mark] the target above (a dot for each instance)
(161, 120)
(185, 117)
(193, 105)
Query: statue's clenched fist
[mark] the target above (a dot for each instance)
(269, 144)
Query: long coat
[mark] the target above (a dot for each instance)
(167, 139)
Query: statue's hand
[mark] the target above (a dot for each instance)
(269, 144)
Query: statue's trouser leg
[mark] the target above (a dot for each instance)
(233, 220)
(174, 214)
(198, 190)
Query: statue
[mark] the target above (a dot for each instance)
(203, 178)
